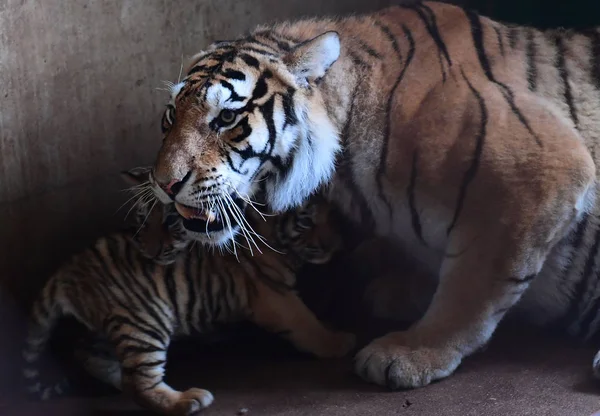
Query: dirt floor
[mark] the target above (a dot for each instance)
(520, 373)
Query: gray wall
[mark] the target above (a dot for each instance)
(79, 103)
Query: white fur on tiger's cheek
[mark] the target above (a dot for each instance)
(312, 165)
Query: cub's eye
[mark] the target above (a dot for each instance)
(226, 117)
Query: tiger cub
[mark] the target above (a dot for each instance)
(117, 289)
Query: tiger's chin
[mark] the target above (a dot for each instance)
(217, 239)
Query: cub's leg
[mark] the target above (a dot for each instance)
(98, 358)
(283, 312)
(142, 351)
(520, 207)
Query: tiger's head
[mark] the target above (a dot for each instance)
(247, 116)
(156, 228)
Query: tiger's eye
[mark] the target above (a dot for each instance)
(227, 116)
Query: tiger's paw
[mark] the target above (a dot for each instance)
(338, 344)
(191, 402)
(389, 361)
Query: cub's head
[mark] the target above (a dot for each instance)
(248, 115)
(310, 231)
(156, 228)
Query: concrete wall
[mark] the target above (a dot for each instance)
(79, 102)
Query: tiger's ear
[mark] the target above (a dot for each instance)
(136, 176)
(310, 60)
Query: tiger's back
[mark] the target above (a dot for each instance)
(474, 78)
(549, 82)
(513, 103)
(478, 81)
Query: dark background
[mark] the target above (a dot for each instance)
(542, 14)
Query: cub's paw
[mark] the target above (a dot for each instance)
(388, 361)
(338, 344)
(191, 402)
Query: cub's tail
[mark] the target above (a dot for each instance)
(45, 313)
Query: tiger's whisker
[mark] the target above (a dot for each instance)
(251, 204)
(228, 223)
(248, 231)
(229, 205)
(180, 70)
(136, 195)
(142, 200)
(145, 184)
(146, 218)
(261, 238)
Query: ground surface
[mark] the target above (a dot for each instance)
(520, 373)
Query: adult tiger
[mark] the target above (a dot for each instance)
(470, 142)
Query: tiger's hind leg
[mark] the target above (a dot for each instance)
(285, 313)
(142, 352)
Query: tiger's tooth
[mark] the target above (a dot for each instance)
(183, 211)
(190, 213)
(210, 216)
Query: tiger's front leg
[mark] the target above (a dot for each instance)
(475, 291)
(489, 265)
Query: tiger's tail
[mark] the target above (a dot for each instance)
(45, 313)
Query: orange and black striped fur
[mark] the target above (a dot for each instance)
(471, 143)
(139, 305)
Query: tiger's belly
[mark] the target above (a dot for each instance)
(424, 242)
(545, 302)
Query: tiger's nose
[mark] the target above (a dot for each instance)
(175, 185)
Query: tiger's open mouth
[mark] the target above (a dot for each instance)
(205, 221)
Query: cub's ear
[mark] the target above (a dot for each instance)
(310, 60)
(152, 234)
(136, 176)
